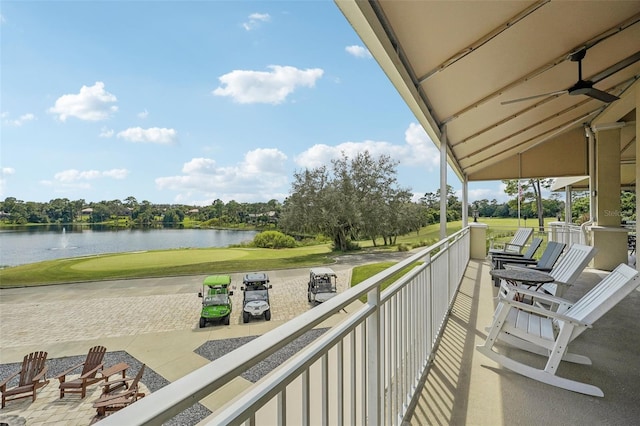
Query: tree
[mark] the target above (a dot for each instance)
(529, 190)
(431, 201)
(357, 197)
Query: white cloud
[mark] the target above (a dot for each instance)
(73, 175)
(2, 19)
(358, 51)
(24, 118)
(418, 151)
(157, 135)
(91, 104)
(116, 173)
(255, 19)
(106, 133)
(199, 166)
(272, 87)
(144, 114)
(7, 171)
(261, 173)
(420, 148)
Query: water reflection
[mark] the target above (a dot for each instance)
(21, 245)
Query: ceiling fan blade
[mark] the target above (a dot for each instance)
(557, 92)
(601, 95)
(616, 67)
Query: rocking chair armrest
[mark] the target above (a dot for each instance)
(538, 295)
(3, 384)
(513, 247)
(545, 313)
(509, 260)
(68, 371)
(91, 373)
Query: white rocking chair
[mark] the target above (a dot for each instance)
(548, 333)
(516, 244)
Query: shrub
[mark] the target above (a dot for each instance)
(273, 239)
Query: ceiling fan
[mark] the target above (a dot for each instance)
(585, 87)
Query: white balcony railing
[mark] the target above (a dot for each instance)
(365, 370)
(568, 233)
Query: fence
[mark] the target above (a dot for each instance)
(365, 370)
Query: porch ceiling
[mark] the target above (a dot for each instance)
(455, 62)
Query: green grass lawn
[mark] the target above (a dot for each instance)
(361, 273)
(219, 260)
(163, 263)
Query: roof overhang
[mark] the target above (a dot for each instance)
(455, 63)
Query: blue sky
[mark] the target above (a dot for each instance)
(188, 102)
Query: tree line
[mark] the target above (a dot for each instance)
(131, 212)
(351, 199)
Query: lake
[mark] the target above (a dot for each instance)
(28, 245)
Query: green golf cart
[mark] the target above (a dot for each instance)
(216, 304)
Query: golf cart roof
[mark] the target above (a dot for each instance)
(323, 271)
(217, 280)
(256, 277)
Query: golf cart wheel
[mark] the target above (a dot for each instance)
(267, 314)
(203, 322)
(226, 319)
(245, 317)
(309, 296)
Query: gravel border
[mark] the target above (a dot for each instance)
(214, 349)
(211, 350)
(150, 378)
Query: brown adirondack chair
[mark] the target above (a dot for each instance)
(112, 400)
(32, 377)
(88, 376)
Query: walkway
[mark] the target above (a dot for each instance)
(153, 320)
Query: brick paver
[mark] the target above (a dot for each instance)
(91, 315)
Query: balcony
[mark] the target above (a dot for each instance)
(407, 356)
(464, 387)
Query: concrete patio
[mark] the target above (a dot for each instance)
(463, 387)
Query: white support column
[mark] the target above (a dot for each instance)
(607, 236)
(443, 184)
(567, 206)
(465, 202)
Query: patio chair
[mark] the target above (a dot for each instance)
(88, 376)
(547, 261)
(549, 333)
(115, 398)
(32, 377)
(516, 244)
(528, 254)
(567, 270)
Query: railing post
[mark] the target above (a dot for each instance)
(374, 396)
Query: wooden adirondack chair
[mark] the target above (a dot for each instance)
(516, 244)
(549, 333)
(32, 377)
(117, 400)
(88, 376)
